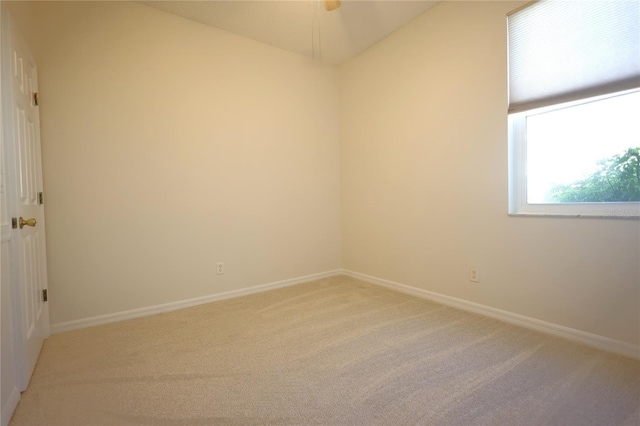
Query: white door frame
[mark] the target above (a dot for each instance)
(9, 393)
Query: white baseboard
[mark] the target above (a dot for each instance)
(166, 307)
(589, 339)
(10, 406)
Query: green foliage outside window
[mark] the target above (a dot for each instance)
(616, 180)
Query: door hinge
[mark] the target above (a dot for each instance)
(35, 98)
(40, 198)
(14, 222)
(45, 295)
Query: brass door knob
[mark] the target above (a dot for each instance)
(28, 222)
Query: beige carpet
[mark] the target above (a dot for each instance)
(333, 352)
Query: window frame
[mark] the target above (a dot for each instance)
(518, 205)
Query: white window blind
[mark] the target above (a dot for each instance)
(565, 50)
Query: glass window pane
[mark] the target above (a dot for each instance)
(585, 153)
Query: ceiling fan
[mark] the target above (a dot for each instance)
(331, 4)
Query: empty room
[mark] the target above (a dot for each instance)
(320, 212)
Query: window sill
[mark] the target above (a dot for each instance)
(574, 216)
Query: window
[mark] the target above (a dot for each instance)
(574, 108)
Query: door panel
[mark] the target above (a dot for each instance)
(24, 182)
(9, 393)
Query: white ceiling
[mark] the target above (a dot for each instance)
(288, 24)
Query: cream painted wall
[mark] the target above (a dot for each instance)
(169, 146)
(424, 183)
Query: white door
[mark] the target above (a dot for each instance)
(21, 123)
(9, 392)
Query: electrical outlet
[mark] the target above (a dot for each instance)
(220, 268)
(474, 275)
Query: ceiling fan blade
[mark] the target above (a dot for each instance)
(332, 4)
